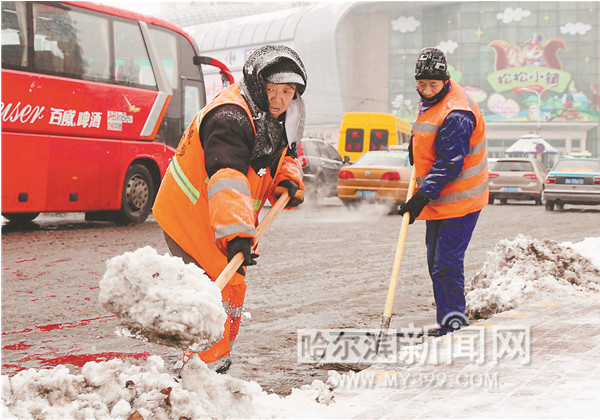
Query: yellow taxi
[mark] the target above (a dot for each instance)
(377, 177)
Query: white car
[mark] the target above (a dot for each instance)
(517, 179)
(573, 181)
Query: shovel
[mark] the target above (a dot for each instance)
(387, 312)
(221, 281)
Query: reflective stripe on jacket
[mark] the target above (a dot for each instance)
(468, 192)
(182, 205)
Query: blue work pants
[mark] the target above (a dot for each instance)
(447, 242)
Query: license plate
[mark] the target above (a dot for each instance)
(510, 189)
(366, 194)
(578, 181)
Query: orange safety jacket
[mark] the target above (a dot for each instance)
(469, 191)
(202, 214)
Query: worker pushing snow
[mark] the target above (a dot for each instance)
(229, 160)
(448, 150)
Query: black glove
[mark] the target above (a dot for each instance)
(411, 159)
(292, 188)
(415, 205)
(243, 245)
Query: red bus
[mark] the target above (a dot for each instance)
(94, 102)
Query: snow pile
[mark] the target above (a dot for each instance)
(119, 389)
(589, 248)
(148, 291)
(526, 270)
(163, 299)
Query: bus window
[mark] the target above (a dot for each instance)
(166, 44)
(132, 65)
(191, 103)
(379, 140)
(64, 45)
(354, 139)
(14, 35)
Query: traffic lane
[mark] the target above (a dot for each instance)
(330, 269)
(325, 268)
(50, 309)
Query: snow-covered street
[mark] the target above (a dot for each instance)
(318, 269)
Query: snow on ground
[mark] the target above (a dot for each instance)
(589, 248)
(117, 389)
(516, 272)
(527, 270)
(162, 298)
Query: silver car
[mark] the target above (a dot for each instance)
(573, 181)
(517, 179)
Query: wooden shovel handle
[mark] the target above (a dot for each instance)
(387, 313)
(262, 227)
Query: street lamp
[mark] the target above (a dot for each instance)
(539, 94)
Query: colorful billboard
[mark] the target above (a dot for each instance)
(520, 65)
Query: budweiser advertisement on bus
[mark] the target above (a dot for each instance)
(94, 102)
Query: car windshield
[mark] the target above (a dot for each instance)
(516, 166)
(571, 165)
(383, 159)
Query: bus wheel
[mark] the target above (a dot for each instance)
(20, 217)
(138, 195)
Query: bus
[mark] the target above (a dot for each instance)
(94, 102)
(361, 132)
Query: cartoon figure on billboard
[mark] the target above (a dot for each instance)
(535, 53)
(514, 56)
(529, 83)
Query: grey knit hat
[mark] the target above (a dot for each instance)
(284, 71)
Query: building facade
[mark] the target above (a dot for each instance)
(533, 67)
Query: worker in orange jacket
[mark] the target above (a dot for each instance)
(449, 153)
(228, 162)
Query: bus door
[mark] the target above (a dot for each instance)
(186, 82)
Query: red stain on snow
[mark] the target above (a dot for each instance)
(81, 359)
(18, 346)
(52, 327)
(71, 359)
(31, 259)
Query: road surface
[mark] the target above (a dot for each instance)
(324, 268)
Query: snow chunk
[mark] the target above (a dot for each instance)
(526, 270)
(118, 388)
(162, 299)
(589, 248)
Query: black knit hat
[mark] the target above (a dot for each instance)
(431, 64)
